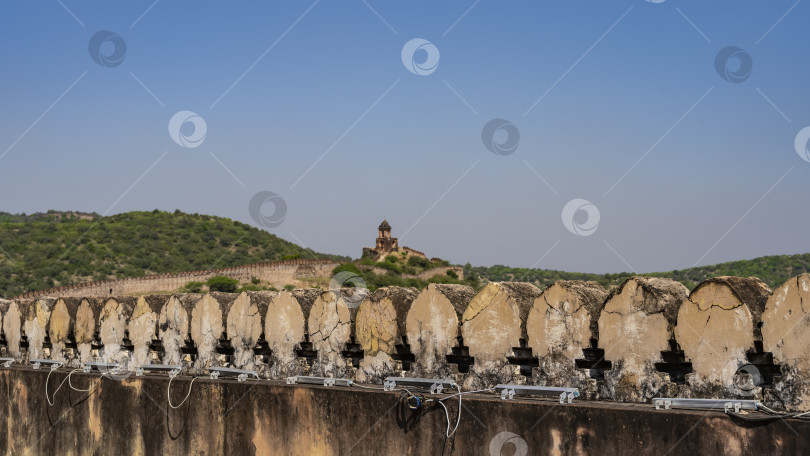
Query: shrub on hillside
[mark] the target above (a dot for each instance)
(223, 284)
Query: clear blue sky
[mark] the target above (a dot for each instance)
(633, 116)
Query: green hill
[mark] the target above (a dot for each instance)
(773, 270)
(43, 250)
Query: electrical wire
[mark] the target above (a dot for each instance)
(447, 413)
(52, 398)
(378, 388)
(467, 392)
(785, 414)
(169, 396)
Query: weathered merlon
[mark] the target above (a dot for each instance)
(561, 323)
(494, 323)
(432, 326)
(635, 326)
(717, 326)
(786, 334)
(379, 327)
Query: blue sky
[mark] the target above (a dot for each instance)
(619, 104)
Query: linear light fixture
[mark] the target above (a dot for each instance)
(172, 369)
(436, 385)
(102, 367)
(665, 403)
(7, 362)
(325, 381)
(240, 374)
(564, 394)
(37, 363)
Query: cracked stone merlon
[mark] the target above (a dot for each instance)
(85, 327)
(143, 327)
(112, 328)
(432, 326)
(560, 324)
(493, 323)
(716, 326)
(381, 317)
(284, 330)
(786, 334)
(35, 325)
(244, 327)
(379, 326)
(635, 326)
(12, 327)
(207, 327)
(329, 327)
(173, 325)
(61, 323)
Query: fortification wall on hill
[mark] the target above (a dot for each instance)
(278, 273)
(729, 337)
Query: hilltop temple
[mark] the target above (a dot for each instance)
(386, 245)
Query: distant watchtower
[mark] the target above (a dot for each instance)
(385, 243)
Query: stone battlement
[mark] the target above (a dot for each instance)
(279, 272)
(730, 337)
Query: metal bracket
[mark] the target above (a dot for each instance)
(735, 405)
(507, 393)
(436, 386)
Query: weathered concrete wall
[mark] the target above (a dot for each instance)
(259, 418)
(281, 273)
(506, 327)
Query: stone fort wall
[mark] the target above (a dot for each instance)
(278, 273)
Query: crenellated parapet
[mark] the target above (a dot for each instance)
(729, 337)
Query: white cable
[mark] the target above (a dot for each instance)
(378, 388)
(52, 398)
(467, 392)
(81, 390)
(447, 413)
(787, 414)
(169, 396)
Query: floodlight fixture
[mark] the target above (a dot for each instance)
(324, 381)
(435, 385)
(563, 394)
(37, 363)
(172, 369)
(240, 374)
(102, 367)
(735, 405)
